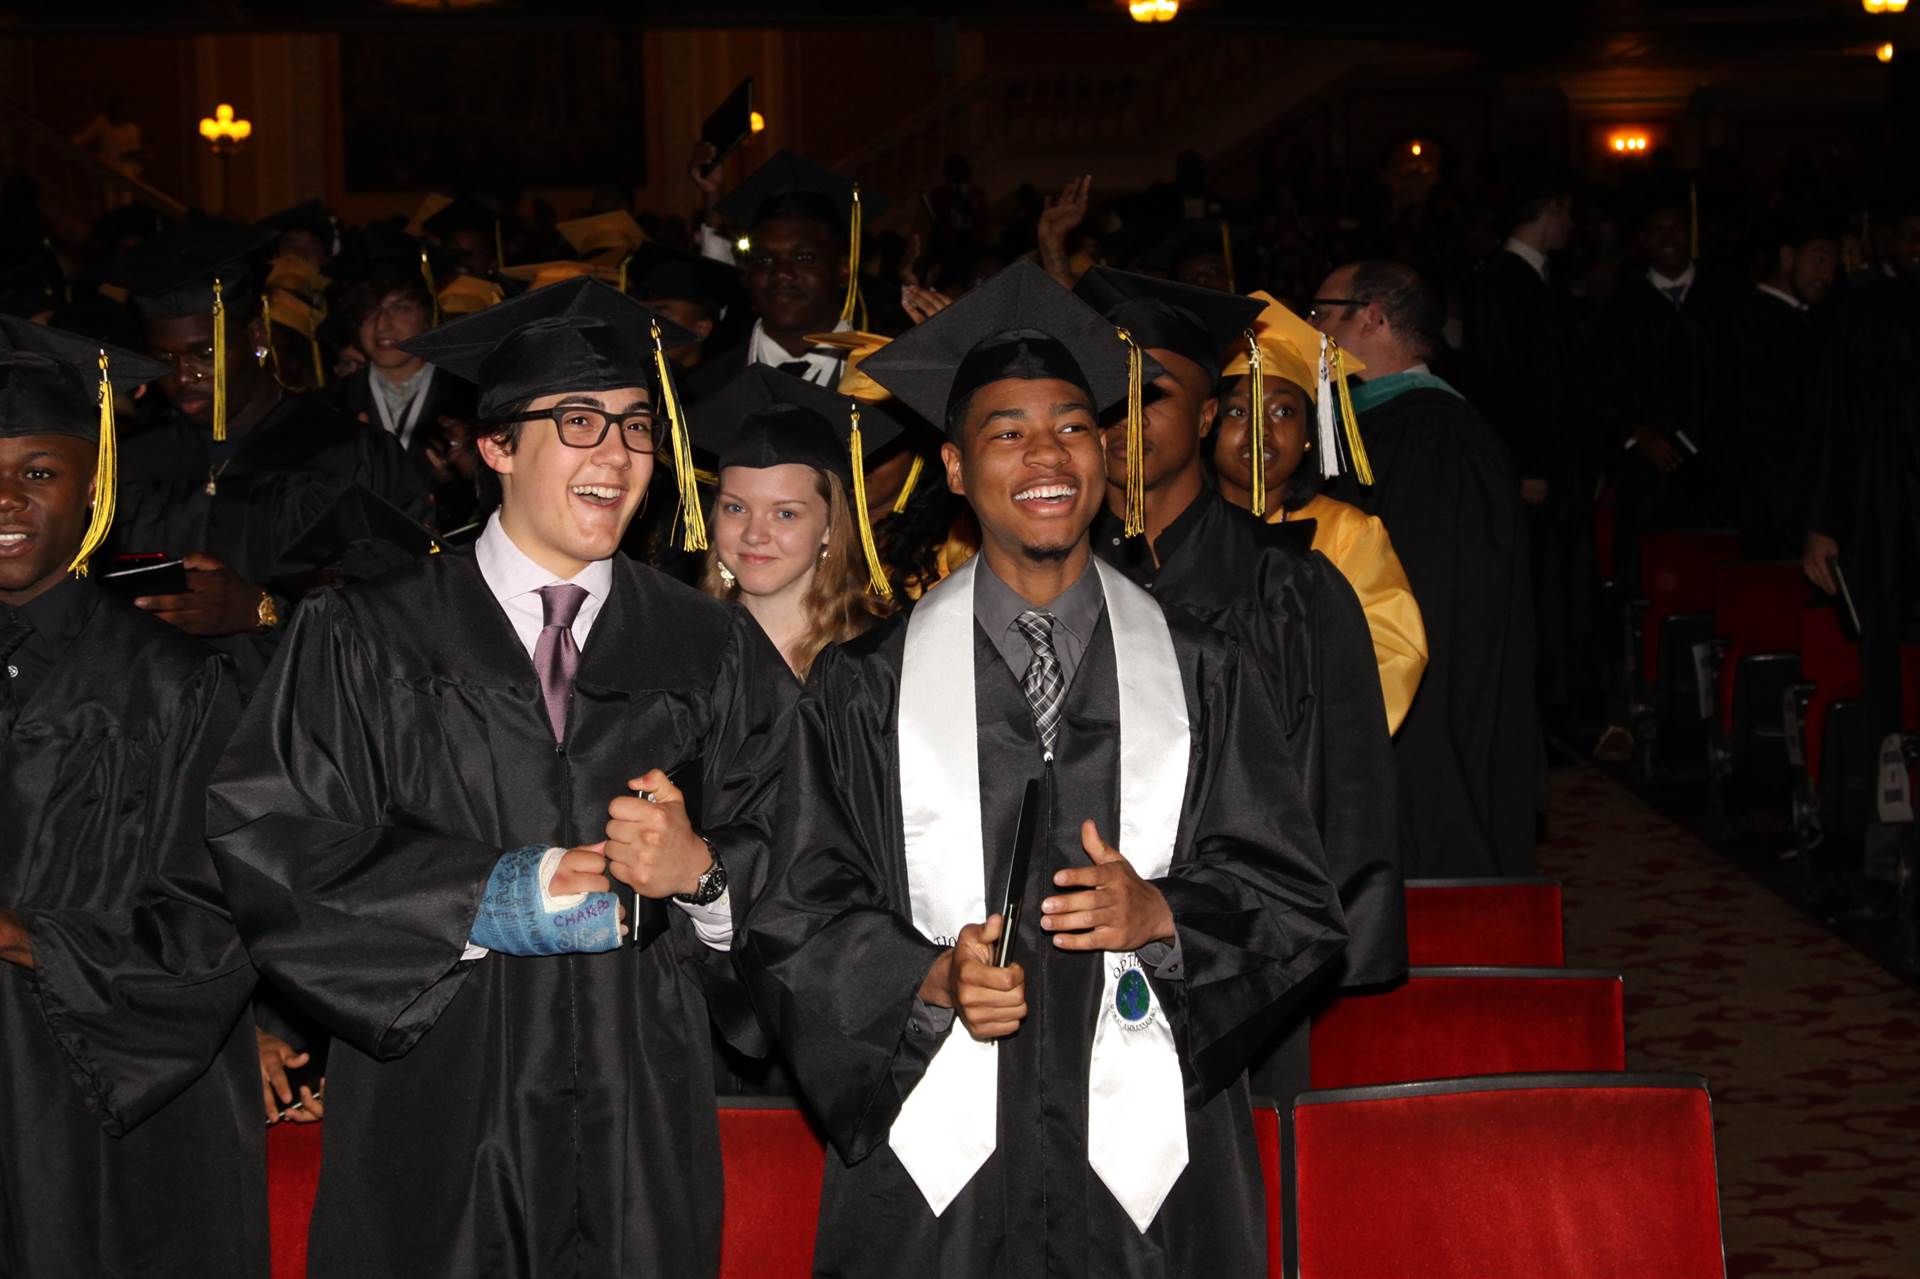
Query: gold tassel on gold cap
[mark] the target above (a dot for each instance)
(913, 478)
(623, 271)
(1362, 468)
(1136, 521)
(1226, 252)
(313, 343)
(876, 573)
(433, 293)
(106, 479)
(1257, 421)
(219, 363)
(694, 527)
(850, 307)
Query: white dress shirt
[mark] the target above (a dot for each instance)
(399, 405)
(1666, 285)
(515, 581)
(1528, 254)
(1783, 295)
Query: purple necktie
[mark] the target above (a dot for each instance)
(556, 657)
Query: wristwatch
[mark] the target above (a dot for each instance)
(268, 615)
(712, 884)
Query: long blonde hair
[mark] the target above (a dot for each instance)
(838, 603)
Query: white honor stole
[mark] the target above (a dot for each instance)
(1136, 1108)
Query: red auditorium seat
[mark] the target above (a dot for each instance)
(1550, 1176)
(1756, 610)
(293, 1175)
(1677, 575)
(1830, 662)
(1442, 1023)
(773, 1162)
(1510, 922)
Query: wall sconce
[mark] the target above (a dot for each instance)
(1153, 10)
(224, 131)
(1884, 52)
(1628, 142)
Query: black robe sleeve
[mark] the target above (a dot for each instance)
(319, 880)
(141, 998)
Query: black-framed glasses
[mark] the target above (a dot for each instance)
(582, 427)
(1317, 305)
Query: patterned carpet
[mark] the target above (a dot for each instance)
(1811, 1050)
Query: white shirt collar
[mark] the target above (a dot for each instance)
(1528, 254)
(1783, 295)
(823, 362)
(1683, 281)
(515, 581)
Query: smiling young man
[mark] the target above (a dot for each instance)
(1082, 1108)
(129, 1112)
(227, 471)
(429, 813)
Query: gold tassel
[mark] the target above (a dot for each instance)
(1257, 421)
(850, 307)
(1226, 251)
(272, 355)
(1362, 469)
(1136, 521)
(106, 479)
(623, 271)
(433, 294)
(913, 478)
(694, 529)
(313, 342)
(875, 572)
(219, 363)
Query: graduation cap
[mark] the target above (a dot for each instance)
(466, 294)
(790, 186)
(766, 418)
(604, 238)
(295, 296)
(540, 275)
(1286, 346)
(196, 268)
(58, 383)
(356, 522)
(463, 213)
(658, 273)
(430, 207)
(855, 383)
(310, 216)
(382, 246)
(580, 335)
(1183, 318)
(1020, 324)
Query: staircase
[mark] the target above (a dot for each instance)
(76, 186)
(1125, 124)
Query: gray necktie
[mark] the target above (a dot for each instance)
(555, 656)
(1045, 687)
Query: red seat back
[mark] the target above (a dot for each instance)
(1491, 922)
(1442, 1023)
(1831, 663)
(1572, 1177)
(1757, 610)
(1677, 574)
(293, 1176)
(1266, 1136)
(773, 1162)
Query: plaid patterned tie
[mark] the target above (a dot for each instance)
(1045, 687)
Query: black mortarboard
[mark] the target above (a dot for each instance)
(358, 535)
(1021, 324)
(656, 273)
(464, 213)
(768, 418)
(382, 246)
(310, 216)
(173, 274)
(810, 190)
(580, 335)
(1183, 318)
(50, 384)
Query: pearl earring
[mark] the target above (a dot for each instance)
(726, 575)
(260, 356)
(824, 552)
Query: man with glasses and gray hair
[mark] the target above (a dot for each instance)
(452, 824)
(1444, 486)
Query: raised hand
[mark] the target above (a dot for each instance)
(1115, 909)
(1062, 214)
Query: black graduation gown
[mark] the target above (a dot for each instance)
(279, 478)
(502, 1116)
(130, 1135)
(836, 963)
(453, 502)
(1304, 633)
(1767, 396)
(1470, 754)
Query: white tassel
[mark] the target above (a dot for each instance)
(1328, 414)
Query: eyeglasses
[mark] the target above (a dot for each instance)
(581, 427)
(1317, 305)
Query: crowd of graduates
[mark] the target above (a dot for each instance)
(1321, 486)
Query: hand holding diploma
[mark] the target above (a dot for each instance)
(990, 1001)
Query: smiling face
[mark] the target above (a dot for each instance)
(769, 525)
(1667, 241)
(1179, 414)
(566, 507)
(46, 483)
(398, 318)
(795, 275)
(1285, 436)
(1031, 463)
